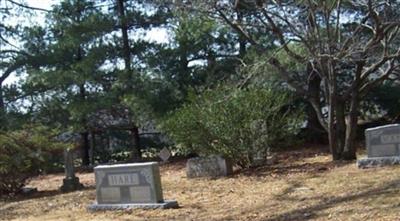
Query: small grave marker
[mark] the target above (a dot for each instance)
(70, 182)
(164, 154)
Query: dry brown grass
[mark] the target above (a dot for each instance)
(302, 186)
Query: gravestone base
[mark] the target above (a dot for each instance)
(377, 162)
(167, 204)
(71, 184)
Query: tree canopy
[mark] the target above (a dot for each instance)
(91, 67)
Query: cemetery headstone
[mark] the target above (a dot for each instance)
(212, 166)
(383, 146)
(126, 186)
(70, 182)
(164, 154)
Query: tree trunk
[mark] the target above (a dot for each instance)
(340, 144)
(136, 151)
(2, 109)
(332, 135)
(352, 124)
(2, 106)
(124, 31)
(136, 154)
(333, 144)
(349, 152)
(312, 120)
(342, 135)
(314, 126)
(92, 146)
(85, 148)
(340, 126)
(85, 144)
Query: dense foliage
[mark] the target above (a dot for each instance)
(384, 101)
(242, 125)
(24, 153)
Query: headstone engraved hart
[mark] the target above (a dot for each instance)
(127, 186)
(383, 146)
(70, 182)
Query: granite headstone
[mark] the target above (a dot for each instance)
(383, 146)
(212, 166)
(124, 186)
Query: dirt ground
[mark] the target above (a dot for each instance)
(303, 185)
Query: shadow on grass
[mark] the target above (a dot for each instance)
(40, 194)
(311, 212)
(325, 203)
(15, 207)
(281, 170)
(294, 162)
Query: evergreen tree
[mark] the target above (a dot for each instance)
(69, 55)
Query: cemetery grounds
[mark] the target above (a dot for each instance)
(302, 185)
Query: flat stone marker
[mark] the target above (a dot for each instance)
(383, 146)
(212, 166)
(127, 186)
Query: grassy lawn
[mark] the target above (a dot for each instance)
(301, 186)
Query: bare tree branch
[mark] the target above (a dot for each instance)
(27, 6)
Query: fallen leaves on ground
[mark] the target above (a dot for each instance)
(303, 185)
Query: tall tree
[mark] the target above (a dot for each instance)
(132, 17)
(348, 47)
(71, 59)
(126, 51)
(200, 54)
(12, 57)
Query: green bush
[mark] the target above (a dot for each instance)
(24, 153)
(242, 125)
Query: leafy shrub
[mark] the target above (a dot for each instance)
(238, 124)
(24, 153)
